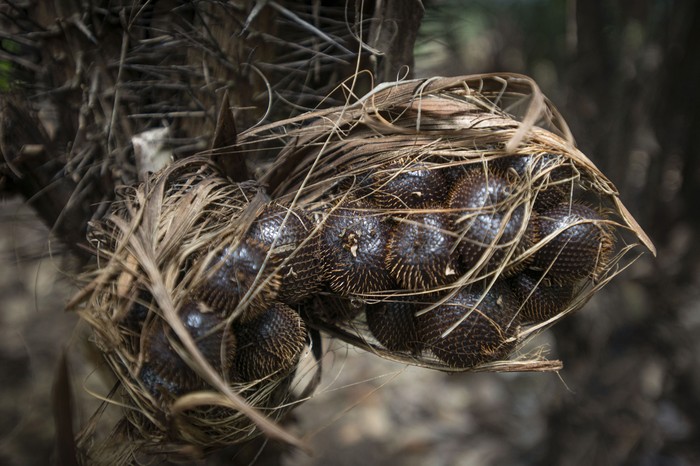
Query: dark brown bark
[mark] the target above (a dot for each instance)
(394, 31)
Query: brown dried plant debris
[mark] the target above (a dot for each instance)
(426, 206)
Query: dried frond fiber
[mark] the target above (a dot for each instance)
(80, 81)
(455, 216)
(186, 315)
(438, 222)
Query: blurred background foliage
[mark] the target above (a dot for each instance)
(625, 75)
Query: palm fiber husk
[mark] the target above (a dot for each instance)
(156, 235)
(154, 244)
(458, 122)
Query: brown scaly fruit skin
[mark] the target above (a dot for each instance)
(481, 337)
(164, 373)
(419, 251)
(135, 317)
(394, 325)
(480, 200)
(353, 246)
(330, 308)
(552, 177)
(299, 278)
(540, 300)
(235, 269)
(414, 187)
(581, 248)
(231, 273)
(269, 342)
